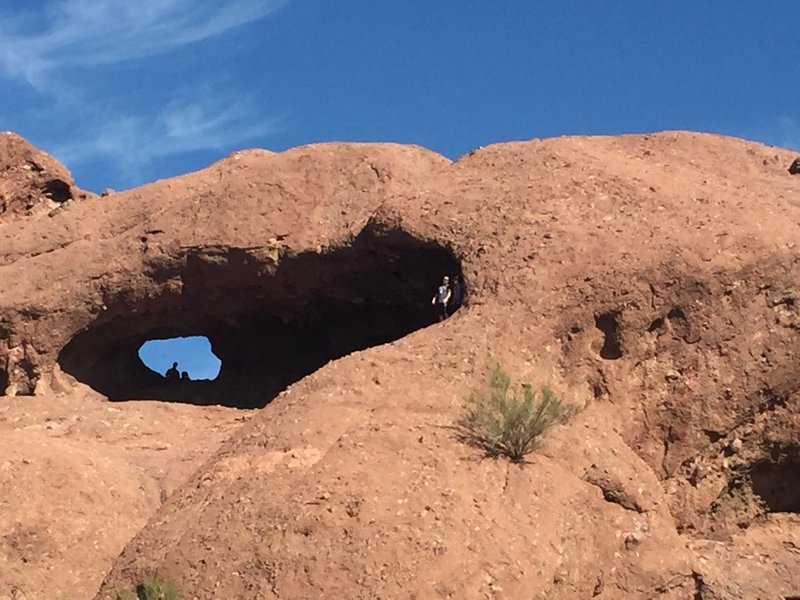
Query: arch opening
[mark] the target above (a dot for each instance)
(269, 324)
(190, 356)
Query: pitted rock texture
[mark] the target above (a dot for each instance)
(650, 280)
(31, 181)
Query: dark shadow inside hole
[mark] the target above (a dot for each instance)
(598, 390)
(676, 314)
(3, 377)
(609, 325)
(776, 483)
(656, 325)
(269, 326)
(57, 190)
(713, 436)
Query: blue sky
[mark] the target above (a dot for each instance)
(193, 355)
(127, 92)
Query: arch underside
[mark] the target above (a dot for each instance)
(269, 325)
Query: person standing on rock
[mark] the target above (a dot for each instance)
(442, 297)
(172, 373)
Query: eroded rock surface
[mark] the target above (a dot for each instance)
(79, 478)
(31, 181)
(649, 279)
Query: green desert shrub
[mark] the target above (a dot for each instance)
(506, 420)
(151, 588)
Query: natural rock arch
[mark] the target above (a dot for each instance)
(270, 319)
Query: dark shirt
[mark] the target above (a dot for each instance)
(458, 293)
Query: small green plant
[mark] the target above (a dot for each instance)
(506, 420)
(151, 588)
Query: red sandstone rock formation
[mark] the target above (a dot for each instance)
(649, 279)
(30, 180)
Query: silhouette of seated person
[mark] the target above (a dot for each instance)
(172, 373)
(185, 376)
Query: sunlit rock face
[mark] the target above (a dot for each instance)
(649, 280)
(273, 261)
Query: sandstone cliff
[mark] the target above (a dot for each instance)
(649, 279)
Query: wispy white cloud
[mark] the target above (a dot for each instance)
(68, 44)
(96, 32)
(133, 142)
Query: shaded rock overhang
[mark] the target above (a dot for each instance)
(271, 319)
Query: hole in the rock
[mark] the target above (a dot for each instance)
(57, 190)
(656, 325)
(608, 323)
(676, 314)
(713, 436)
(270, 325)
(775, 482)
(191, 357)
